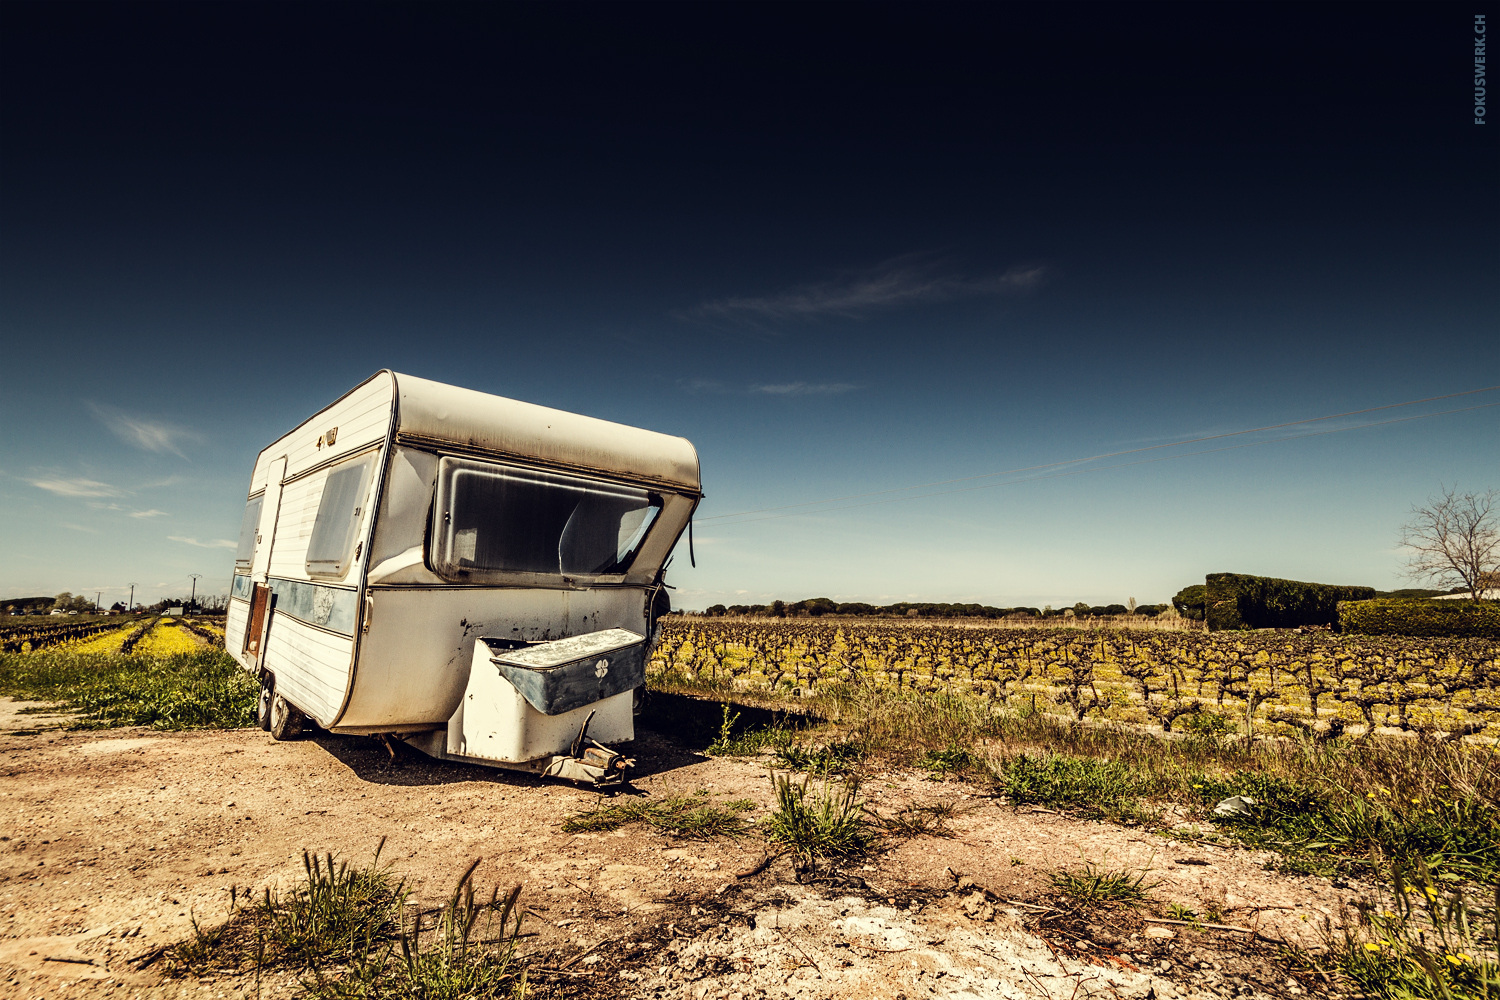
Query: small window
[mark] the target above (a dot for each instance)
(329, 549)
(492, 519)
(244, 554)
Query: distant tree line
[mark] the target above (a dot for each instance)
(817, 607)
(44, 605)
(77, 602)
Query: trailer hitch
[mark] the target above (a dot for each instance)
(590, 762)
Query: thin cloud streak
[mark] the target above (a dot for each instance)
(149, 435)
(148, 513)
(77, 487)
(805, 388)
(698, 386)
(891, 285)
(217, 543)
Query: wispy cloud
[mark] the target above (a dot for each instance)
(216, 543)
(76, 487)
(79, 527)
(699, 386)
(804, 388)
(148, 513)
(142, 432)
(900, 282)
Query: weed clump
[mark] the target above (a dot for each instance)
(691, 816)
(954, 760)
(746, 743)
(1109, 789)
(823, 822)
(838, 757)
(1094, 884)
(916, 821)
(346, 929)
(1422, 941)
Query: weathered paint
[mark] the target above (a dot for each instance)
(406, 667)
(559, 676)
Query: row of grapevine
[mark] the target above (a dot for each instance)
(20, 638)
(1319, 682)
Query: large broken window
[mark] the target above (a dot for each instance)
(493, 519)
(329, 550)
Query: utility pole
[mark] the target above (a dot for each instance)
(96, 599)
(193, 600)
(130, 605)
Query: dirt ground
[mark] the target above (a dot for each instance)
(111, 840)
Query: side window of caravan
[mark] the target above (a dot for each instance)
(493, 519)
(245, 552)
(329, 551)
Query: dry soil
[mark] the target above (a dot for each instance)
(112, 841)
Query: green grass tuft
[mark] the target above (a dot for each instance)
(1423, 940)
(691, 816)
(345, 928)
(839, 757)
(201, 690)
(1093, 884)
(746, 743)
(954, 760)
(826, 822)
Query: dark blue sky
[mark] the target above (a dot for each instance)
(841, 247)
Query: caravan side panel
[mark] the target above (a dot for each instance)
(362, 419)
(414, 661)
(311, 666)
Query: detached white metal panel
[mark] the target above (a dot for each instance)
(234, 626)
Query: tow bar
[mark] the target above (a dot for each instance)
(590, 762)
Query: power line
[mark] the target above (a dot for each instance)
(1112, 454)
(1102, 468)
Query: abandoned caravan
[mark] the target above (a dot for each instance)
(476, 576)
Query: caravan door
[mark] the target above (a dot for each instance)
(265, 536)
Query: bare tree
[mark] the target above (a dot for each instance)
(1455, 540)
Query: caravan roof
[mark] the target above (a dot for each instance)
(428, 411)
(451, 419)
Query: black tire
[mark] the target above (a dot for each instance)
(263, 703)
(286, 721)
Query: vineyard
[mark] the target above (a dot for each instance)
(1280, 681)
(113, 635)
(21, 638)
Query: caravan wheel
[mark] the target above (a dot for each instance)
(263, 703)
(286, 721)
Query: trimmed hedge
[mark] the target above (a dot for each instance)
(1472, 619)
(1238, 601)
(1191, 601)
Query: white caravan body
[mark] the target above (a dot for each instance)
(411, 556)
